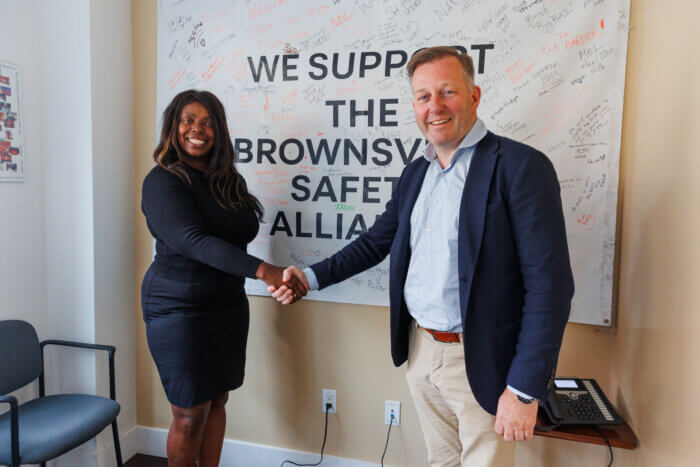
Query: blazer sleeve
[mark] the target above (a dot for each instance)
(368, 250)
(173, 218)
(537, 220)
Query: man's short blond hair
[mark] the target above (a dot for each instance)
(430, 54)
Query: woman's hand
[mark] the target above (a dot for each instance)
(273, 276)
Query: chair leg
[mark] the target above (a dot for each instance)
(117, 447)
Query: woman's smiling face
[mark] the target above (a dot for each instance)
(195, 132)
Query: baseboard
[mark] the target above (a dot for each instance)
(151, 441)
(129, 444)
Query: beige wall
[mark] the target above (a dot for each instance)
(647, 367)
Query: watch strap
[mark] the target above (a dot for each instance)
(525, 400)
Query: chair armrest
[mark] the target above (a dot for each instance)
(109, 348)
(14, 426)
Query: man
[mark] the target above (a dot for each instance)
(480, 278)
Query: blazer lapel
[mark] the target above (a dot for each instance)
(415, 185)
(403, 233)
(472, 211)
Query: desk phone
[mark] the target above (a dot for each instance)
(576, 401)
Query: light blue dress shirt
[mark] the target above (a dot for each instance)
(431, 290)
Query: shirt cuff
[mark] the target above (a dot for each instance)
(311, 278)
(518, 393)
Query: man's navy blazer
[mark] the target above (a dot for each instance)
(515, 280)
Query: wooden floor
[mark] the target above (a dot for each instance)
(142, 460)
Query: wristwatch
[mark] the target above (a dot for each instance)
(525, 400)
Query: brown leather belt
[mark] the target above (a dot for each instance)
(442, 336)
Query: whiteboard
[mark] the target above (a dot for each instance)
(319, 109)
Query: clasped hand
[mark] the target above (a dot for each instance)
(286, 285)
(286, 294)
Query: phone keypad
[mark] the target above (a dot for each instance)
(584, 408)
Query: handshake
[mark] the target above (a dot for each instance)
(287, 285)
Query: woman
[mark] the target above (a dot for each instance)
(202, 216)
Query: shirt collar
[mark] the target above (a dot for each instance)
(475, 135)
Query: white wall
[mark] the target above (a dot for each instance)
(68, 229)
(67, 138)
(113, 200)
(22, 261)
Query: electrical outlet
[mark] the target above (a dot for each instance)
(392, 407)
(328, 398)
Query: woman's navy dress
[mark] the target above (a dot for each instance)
(192, 296)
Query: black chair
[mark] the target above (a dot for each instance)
(46, 427)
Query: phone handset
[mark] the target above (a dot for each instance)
(554, 410)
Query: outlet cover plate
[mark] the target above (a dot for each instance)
(389, 408)
(328, 396)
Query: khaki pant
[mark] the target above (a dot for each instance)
(457, 430)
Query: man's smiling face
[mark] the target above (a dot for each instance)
(444, 103)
